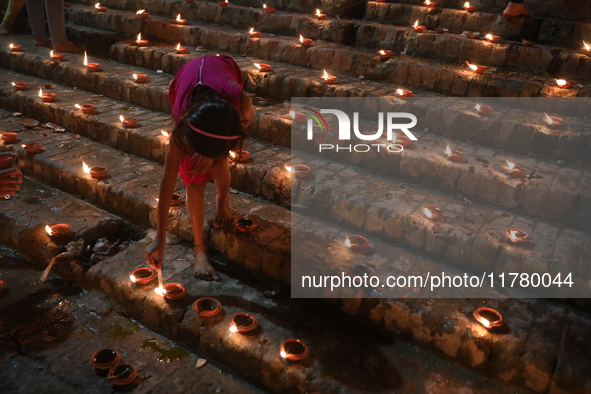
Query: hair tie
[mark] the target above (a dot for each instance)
(220, 137)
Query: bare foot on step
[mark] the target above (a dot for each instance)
(202, 268)
(223, 215)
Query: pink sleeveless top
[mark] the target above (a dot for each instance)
(223, 75)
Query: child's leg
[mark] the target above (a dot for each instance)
(202, 268)
(220, 172)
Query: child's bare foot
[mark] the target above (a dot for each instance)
(5, 28)
(223, 214)
(67, 46)
(515, 9)
(202, 268)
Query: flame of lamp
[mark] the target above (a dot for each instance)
(100, 8)
(268, 10)
(404, 93)
(253, 33)
(180, 21)
(586, 48)
(143, 13)
(294, 350)
(468, 7)
(432, 212)
(328, 79)
(166, 133)
(563, 83)
(180, 49)
(429, 3)
(553, 121)
(453, 154)
(488, 317)
(492, 38)
(385, 54)
(320, 16)
(419, 29)
(513, 170)
(476, 69)
(224, 3)
(515, 235)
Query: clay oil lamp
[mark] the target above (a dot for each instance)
(15, 47)
(586, 48)
(483, 109)
(240, 157)
(320, 16)
(243, 322)
(268, 10)
(207, 307)
(294, 350)
(299, 170)
(492, 38)
(488, 317)
(180, 49)
(179, 20)
(252, 33)
(515, 235)
(9, 138)
(105, 359)
(58, 57)
(477, 69)
(417, 28)
(20, 85)
(563, 83)
(328, 79)
(305, 42)
(441, 30)
(140, 78)
(142, 276)
(128, 121)
(32, 147)
(99, 8)
(87, 109)
(96, 171)
(553, 121)
(513, 170)
(432, 212)
(527, 43)
(385, 54)
(263, 67)
(403, 140)
(47, 97)
(453, 154)
(174, 291)
(404, 93)
(429, 4)
(30, 123)
(58, 230)
(90, 66)
(143, 14)
(140, 42)
(166, 133)
(122, 374)
(298, 117)
(468, 7)
(224, 3)
(357, 243)
(245, 225)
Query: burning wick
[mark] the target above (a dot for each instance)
(319, 15)
(143, 13)
(491, 38)
(512, 170)
(233, 329)
(305, 42)
(161, 291)
(431, 212)
(417, 28)
(328, 79)
(140, 42)
(515, 235)
(586, 48)
(563, 83)
(429, 3)
(165, 133)
(488, 317)
(476, 69)
(252, 33)
(99, 8)
(90, 66)
(453, 155)
(263, 67)
(180, 21)
(385, 54)
(180, 49)
(468, 7)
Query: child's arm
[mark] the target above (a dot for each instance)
(155, 252)
(246, 110)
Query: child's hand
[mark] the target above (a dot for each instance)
(202, 166)
(155, 254)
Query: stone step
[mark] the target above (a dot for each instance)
(421, 73)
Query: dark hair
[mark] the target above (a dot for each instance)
(213, 115)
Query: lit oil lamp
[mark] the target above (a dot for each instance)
(47, 97)
(240, 157)
(140, 42)
(87, 109)
(357, 243)
(15, 47)
(305, 42)
(328, 79)
(207, 307)
(553, 121)
(32, 147)
(96, 171)
(477, 69)
(128, 121)
(385, 54)
(262, 67)
(429, 4)
(294, 350)
(245, 225)
(404, 93)
(181, 50)
(432, 212)
(243, 322)
(488, 317)
(90, 66)
(173, 291)
(586, 48)
(58, 230)
(492, 38)
(468, 7)
(403, 140)
(142, 276)
(252, 33)
(268, 10)
(417, 28)
(453, 154)
(513, 170)
(140, 78)
(58, 57)
(143, 14)
(299, 170)
(180, 21)
(563, 83)
(9, 137)
(20, 85)
(99, 8)
(224, 3)
(515, 235)
(320, 16)
(483, 109)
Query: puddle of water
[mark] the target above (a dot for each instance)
(165, 355)
(120, 331)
